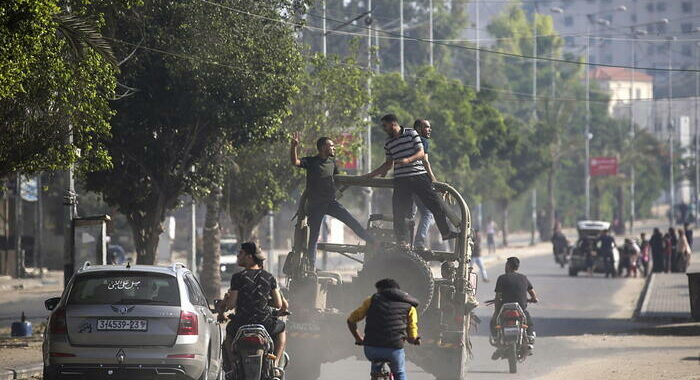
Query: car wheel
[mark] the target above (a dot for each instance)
(50, 373)
(573, 272)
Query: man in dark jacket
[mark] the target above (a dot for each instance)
(392, 320)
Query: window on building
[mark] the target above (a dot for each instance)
(687, 27)
(650, 50)
(608, 59)
(663, 48)
(661, 28)
(650, 7)
(569, 41)
(687, 50)
(687, 6)
(633, 17)
(639, 93)
(661, 6)
(568, 21)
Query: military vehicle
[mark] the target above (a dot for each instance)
(322, 300)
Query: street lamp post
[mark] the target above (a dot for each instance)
(671, 131)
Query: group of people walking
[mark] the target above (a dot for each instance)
(671, 251)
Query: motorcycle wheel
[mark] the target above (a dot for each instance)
(513, 358)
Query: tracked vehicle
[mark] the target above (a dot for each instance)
(322, 300)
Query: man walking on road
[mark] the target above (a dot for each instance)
(491, 236)
(404, 153)
(320, 191)
(607, 244)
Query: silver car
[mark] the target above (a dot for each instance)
(132, 321)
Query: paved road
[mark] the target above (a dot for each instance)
(569, 307)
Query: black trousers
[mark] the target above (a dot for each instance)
(422, 187)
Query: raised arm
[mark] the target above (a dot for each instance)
(382, 170)
(294, 143)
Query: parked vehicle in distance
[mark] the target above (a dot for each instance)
(228, 263)
(130, 321)
(590, 229)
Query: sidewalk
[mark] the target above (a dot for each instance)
(667, 296)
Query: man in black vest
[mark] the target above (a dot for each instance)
(392, 320)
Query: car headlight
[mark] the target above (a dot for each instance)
(223, 268)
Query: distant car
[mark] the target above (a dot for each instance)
(132, 321)
(228, 263)
(590, 229)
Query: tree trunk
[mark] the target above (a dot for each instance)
(245, 231)
(209, 274)
(146, 227)
(550, 218)
(595, 201)
(504, 223)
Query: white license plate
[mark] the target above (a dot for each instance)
(510, 331)
(122, 324)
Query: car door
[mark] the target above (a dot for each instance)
(199, 301)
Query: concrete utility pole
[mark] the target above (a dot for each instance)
(478, 47)
(430, 22)
(323, 4)
(401, 28)
(368, 150)
(70, 202)
(632, 132)
(19, 227)
(588, 124)
(192, 259)
(671, 131)
(534, 114)
(697, 138)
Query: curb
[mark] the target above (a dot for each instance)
(26, 372)
(643, 300)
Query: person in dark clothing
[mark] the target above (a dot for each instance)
(320, 192)
(513, 287)
(688, 234)
(674, 250)
(252, 292)
(404, 153)
(668, 252)
(657, 251)
(559, 241)
(392, 320)
(645, 254)
(588, 247)
(606, 244)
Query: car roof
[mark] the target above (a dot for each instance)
(598, 225)
(169, 270)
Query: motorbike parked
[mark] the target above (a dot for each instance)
(251, 355)
(511, 335)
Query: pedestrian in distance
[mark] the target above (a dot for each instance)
(688, 234)
(404, 153)
(605, 248)
(491, 229)
(424, 129)
(589, 251)
(320, 192)
(657, 251)
(629, 254)
(668, 252)
(683, 252)
(391, 320)
(674, 249)
(644, 254)
(476, 255)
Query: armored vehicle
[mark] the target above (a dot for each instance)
(442, 281)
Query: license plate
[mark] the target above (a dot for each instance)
(122, 324)
(510, 331)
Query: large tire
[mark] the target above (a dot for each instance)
(512, 353)
(408, 269)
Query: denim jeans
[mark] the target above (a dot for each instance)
(396, 357)
(336, 210)
(480, 263)
(426, 220)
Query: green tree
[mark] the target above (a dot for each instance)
(332, 102)
(56, 75)
(205, 78)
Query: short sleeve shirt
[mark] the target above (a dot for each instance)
(405, 145)
(254, 288)
(513, 288)
(320, 186)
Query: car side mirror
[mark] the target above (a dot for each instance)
(215, 309)
(51, 303)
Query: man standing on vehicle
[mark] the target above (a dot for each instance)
(392, 320)
(405, 153)
(320, 191)
(606, 246)
(250, 295)
(424, 130)
(513, 287)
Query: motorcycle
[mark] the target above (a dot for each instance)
(511, 338)
(561, 256)
(251, 355)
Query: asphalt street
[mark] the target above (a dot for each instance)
(569, 307)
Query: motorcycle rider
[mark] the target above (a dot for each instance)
(559, 241)
(513, 287)
(392, 319)
(252, 292)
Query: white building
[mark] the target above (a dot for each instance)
(623, 85)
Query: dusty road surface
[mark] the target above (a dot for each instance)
(584, 332)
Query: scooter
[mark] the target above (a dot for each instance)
(511, 338)
(251, 355)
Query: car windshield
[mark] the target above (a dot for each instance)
(125, 288)
(229, 249)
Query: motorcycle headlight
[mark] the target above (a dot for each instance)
(223, 268)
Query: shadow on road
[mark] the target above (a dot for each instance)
(551, 327)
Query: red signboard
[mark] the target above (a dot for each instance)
(600, 166)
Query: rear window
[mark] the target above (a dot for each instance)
(125, 288)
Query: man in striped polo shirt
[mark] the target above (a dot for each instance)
(404, 153)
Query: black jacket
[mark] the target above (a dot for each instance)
(387, 318)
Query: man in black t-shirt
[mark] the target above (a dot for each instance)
(514, 287)
(253, 295)
(320, 191)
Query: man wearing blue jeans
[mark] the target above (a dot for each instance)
(392, 320)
